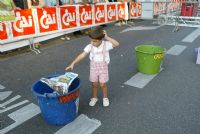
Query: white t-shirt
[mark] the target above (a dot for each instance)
(99, 58)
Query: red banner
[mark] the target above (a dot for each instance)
(121, 11)
(133, 9)
(3, 31)
(47, 19)
(85, 13)
(37, 22)
(99, 14)
(160, 7)
(24, 23)
(68, 17)
(111, 12)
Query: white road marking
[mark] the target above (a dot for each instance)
(140, 28)
(191, 37)
(2, 87)
(21, 115)
(140, 80)
(176, 49)
(9, 101)
(81, 125)
(13, 106)
(5, 94)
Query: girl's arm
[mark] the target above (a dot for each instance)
(41, 5)
(57, 3)
(2, 5)
(114, 42)
(29, 3)
(71, 2)
(77, 60)
(14, 6)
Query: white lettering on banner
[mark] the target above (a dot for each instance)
(121, 12)
(46, 18)
(68, 17)
(49, 20)
(139, 10)
(1, 27)
(99, 14)
(86, 16)
(111, 13)
(23, 22)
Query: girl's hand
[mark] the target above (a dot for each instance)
(70, 67)
(17, 8)
(105, 34)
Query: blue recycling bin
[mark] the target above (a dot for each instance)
(57, 110)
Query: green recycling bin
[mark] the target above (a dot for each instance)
(149, 58)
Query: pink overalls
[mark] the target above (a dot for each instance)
(99, 70)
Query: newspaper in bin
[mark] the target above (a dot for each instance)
(61, 83)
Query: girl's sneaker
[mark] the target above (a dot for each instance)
(93, 101)
(105, 102)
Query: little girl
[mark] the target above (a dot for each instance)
(99, 60)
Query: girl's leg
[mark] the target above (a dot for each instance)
(94, 99)
(104, 90)
(94, 89)
(105, 94)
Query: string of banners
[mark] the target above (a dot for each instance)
(164, 7)
(31, 23)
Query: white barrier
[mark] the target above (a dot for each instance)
(36, 25)
(150, 8)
